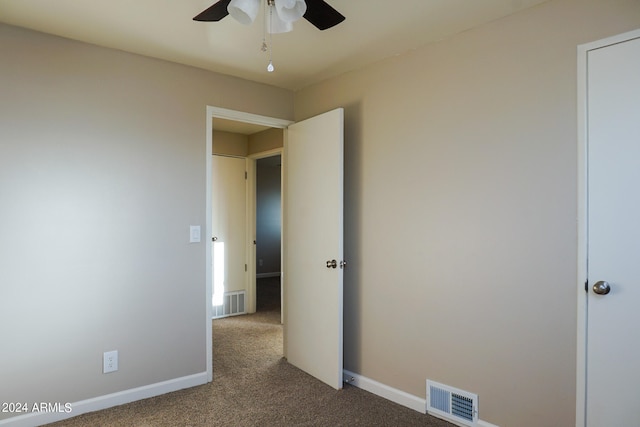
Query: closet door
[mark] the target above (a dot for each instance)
(613, 235)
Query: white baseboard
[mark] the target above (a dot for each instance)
(120, 398)
(106, 401)
(265, 275)
(398, 396)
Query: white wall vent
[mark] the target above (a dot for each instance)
(452, 404)
(233, 305)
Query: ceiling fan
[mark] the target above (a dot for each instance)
(318, 12)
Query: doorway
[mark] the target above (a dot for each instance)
(313, 222)
(268, 220)
(247, 119)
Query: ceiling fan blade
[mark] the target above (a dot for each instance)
(214, 13)
(322, 15)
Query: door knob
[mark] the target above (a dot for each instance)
(601, 288)
(332, 264)
(214, 239)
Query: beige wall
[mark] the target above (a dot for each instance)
(461, 210)
(230, 144)
(102, 170)
(236, 144)
(266, 140)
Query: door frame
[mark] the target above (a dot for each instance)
(582, 264)
(240, 116)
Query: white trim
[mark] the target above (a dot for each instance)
(208, 234)
(268, 153)
(107, 401)
(241, 116)
(582, 265)
(397, 396)
(582, 239)
(251, 235)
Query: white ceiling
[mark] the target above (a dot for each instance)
(373, 30)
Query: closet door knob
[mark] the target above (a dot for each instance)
(602, 288)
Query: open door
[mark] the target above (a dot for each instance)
(313, 246)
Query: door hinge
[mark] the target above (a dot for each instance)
(245, 267)
(586, 286)
(245, 174)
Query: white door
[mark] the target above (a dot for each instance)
(229, 225)
(313, 246)
(613, 254)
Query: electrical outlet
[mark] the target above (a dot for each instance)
(110, 361)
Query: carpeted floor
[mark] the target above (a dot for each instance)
(254, 386)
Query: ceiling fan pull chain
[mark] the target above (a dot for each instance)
(270, 67)
(264, 29)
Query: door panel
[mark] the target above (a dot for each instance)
(314, 235)
(229, 224)
(613, 165)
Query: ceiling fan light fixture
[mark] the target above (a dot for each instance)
(244, 11)
(279, 16)
(290, 10)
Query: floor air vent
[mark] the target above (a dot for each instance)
(233, 305)
(452, 404)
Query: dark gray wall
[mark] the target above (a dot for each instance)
(268, 215)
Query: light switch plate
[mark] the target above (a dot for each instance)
(194, 234)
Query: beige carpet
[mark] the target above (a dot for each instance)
(254, 386)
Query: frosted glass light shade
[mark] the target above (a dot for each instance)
(290, 10)
(276, 25)
(244, 11)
